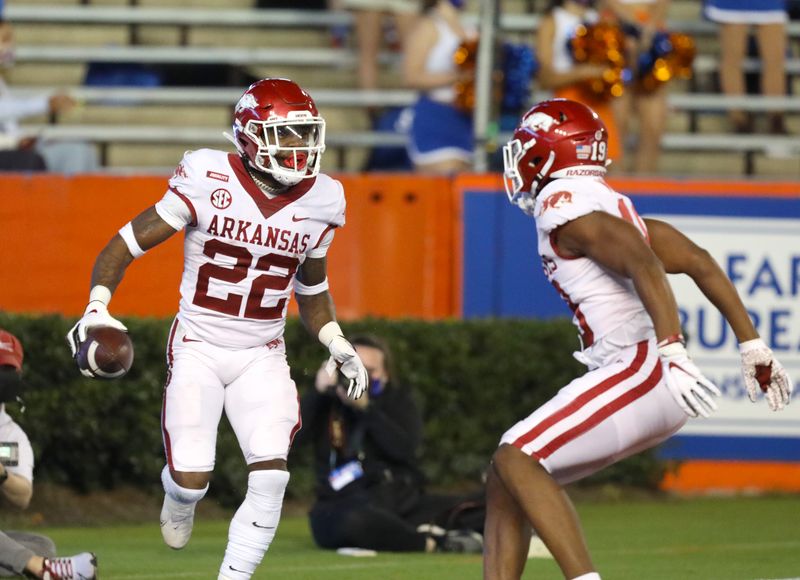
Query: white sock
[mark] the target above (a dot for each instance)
(254, 524)
(182, 495)
(589, 576)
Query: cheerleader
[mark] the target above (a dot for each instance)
(641, 19)
(769, 19)
(560, 73)
(441, 139)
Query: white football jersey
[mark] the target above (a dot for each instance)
(243, 248)
(604, 304)
(10, 432)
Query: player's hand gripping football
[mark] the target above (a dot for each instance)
(762, 372)
(96, 314)
(688, 386)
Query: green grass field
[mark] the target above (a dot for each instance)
(703, 539)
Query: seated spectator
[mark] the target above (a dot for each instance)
(735, 18)
(370, 492)
(23, 553)
(441, 139)
(32, 154)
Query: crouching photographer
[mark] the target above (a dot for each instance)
(370, 492)
(23, 553)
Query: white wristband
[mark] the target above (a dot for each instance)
(328, 332)
(126, 233)
(754, 344)
(672, 349)
(100, 294)
(300, 288)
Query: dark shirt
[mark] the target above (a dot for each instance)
(385, 438)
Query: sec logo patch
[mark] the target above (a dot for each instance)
(221, 198)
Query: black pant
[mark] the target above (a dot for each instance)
(367, 520)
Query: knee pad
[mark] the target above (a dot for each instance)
(265, 488)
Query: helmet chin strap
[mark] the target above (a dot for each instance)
(285, 179)
(543, 172)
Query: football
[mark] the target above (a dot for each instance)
(107, 353)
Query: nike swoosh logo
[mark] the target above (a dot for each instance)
(264, 527)
(297, 219)
(190, 340)
(235, 570)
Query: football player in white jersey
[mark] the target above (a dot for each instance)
(258, 224)
(610, 267)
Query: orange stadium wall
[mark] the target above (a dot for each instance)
(413, 247)
(396, 256)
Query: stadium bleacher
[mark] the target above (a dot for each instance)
(138, 127)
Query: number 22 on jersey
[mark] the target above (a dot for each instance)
(278, 272)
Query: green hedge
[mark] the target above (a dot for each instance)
(473, 379)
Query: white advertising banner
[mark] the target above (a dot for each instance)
(761, 256)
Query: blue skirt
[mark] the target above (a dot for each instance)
(439, 132)
(746, 11)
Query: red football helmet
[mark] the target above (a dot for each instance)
(277, 126)
(556, 138)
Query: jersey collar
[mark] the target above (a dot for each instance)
(267, 206)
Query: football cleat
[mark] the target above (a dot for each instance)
(80, 567)
(177, 520)
(462, 542)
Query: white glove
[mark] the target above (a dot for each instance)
(687, 384)
(96, 314)
(762, 372)
(344, 356)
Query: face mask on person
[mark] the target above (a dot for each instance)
(10, 385)
(376, 387)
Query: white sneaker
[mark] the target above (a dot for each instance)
(537, 549)
(177, 520)
(80, 567)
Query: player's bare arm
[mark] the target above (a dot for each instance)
(149, 230)
(144, 232)
(315, 310)
(680, 255)
(317, 314)
(620, 247)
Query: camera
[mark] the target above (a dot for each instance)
(9, 453)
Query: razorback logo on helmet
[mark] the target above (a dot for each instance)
(180, 171)
(539, 122)
(248, 101)
(555, 201)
